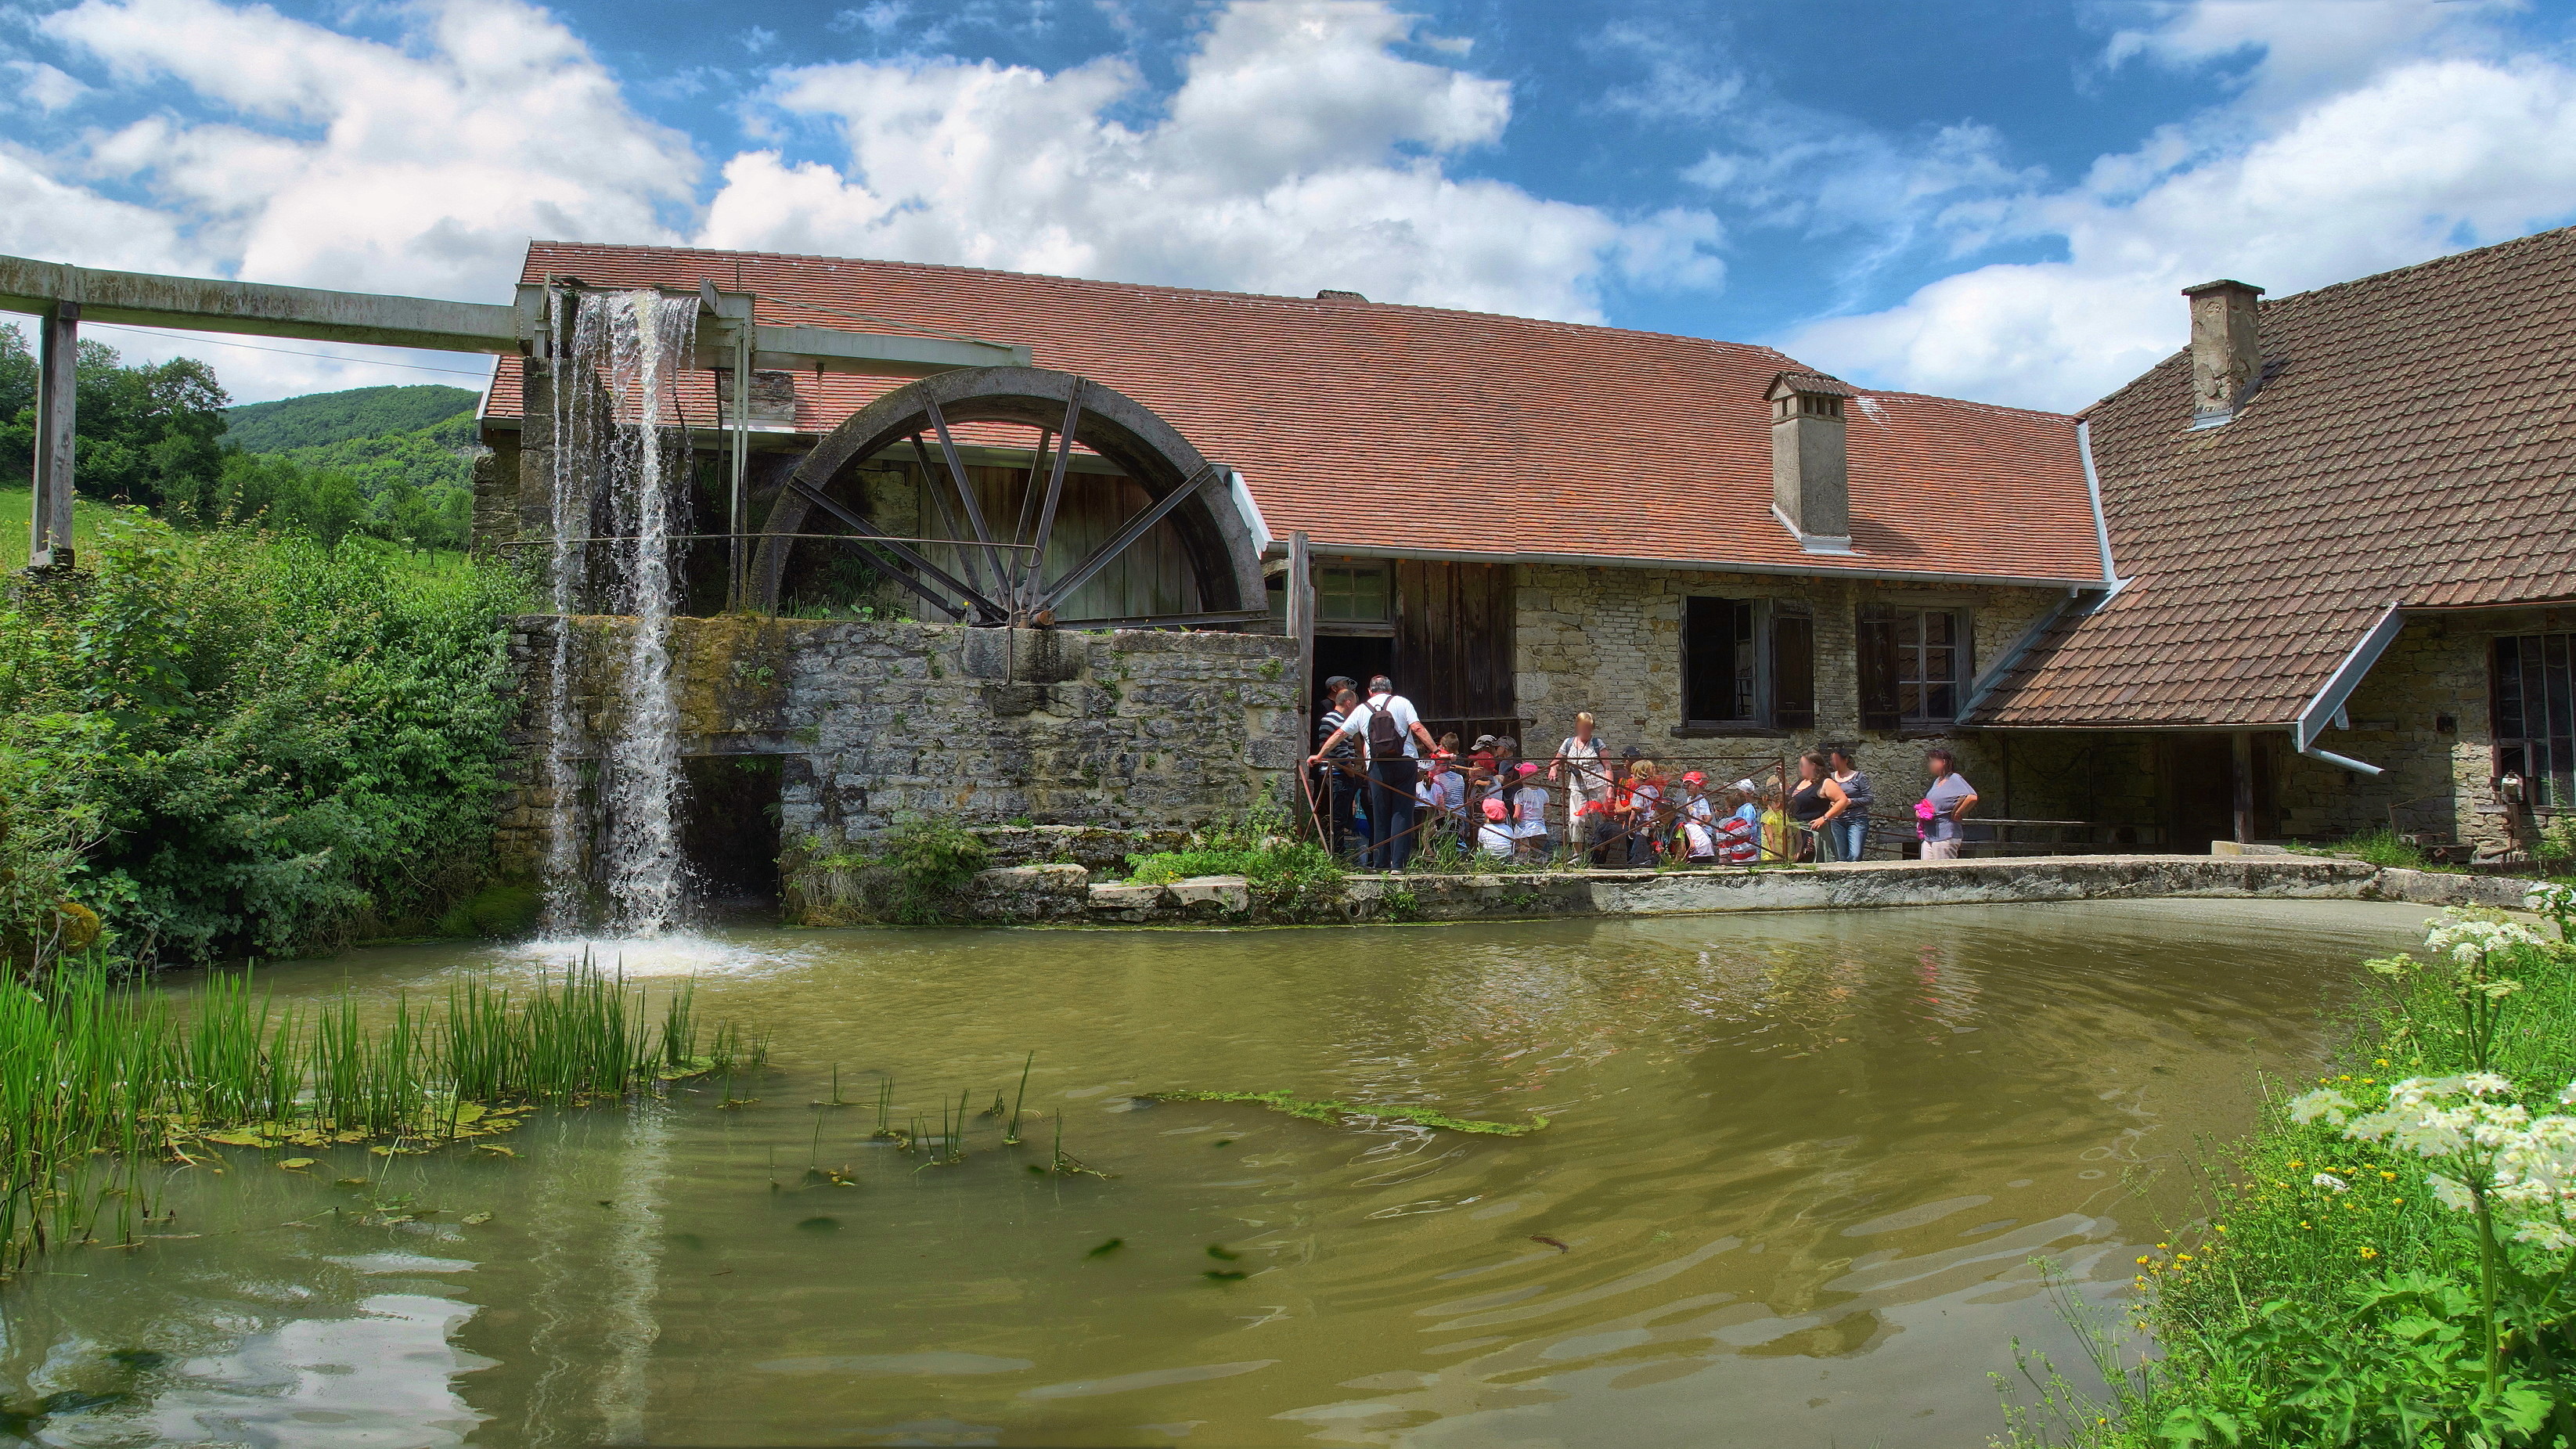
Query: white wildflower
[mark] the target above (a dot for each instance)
(2333, 1106)
(2329, 1182)
(2549, 1235)
(2451, 1193)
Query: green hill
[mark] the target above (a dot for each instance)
(324, 418)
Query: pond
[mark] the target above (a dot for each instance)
(1796, 1174)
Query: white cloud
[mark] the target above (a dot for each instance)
(42, 86)
(422, 167)
(2426, 154)
(1301, 151)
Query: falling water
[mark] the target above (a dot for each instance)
(617, 478)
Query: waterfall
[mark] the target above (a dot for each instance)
(618, 479)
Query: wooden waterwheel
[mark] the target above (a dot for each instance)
(1003, 575)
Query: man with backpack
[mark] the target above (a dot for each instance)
(1392, 739)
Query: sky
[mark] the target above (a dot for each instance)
(1988, 200)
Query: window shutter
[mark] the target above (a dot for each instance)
(1708, 643)
(1793, 671)
(1876, 637)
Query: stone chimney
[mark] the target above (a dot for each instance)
(1810, 461)
(2226, 350)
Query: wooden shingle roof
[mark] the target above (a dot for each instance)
(2412, 442)
(1420, 430)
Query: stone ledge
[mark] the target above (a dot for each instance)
(1066, 892)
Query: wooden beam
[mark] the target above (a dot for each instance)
(49, 531)
(2241, 748)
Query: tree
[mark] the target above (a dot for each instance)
(142, 433)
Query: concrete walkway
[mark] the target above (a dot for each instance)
(1068, 893)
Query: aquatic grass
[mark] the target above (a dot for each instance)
(101, 1078)
(1332, 1112)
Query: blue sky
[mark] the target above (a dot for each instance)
(1984, 199)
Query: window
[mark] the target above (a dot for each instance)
(1747, 662)
(1912, 665)
(2533, 716)
(1720, 673)
(1351, 594)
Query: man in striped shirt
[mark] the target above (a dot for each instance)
(1337, 779)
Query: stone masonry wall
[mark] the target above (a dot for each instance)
(872, 720)
(1608, 640)
(2435, 671)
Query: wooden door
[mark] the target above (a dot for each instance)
(1453, 638)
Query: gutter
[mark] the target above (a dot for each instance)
(2328, 704)
(2093, 490)
(1819, 569)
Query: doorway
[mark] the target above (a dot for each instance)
(1357, 655)
(729, 833)
(2200, 790)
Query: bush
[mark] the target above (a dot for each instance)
(279, 744)
(916, 871)
(2384, 848)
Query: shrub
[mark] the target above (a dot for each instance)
(915, 873)
(277, 744)
(2384, 848)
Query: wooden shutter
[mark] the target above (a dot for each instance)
(1876, 637)
(1793, 671)
(1708, 655)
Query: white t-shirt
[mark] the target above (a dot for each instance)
(1529, 809)
(1398, 708)
(1588, 776)
(1495, 838)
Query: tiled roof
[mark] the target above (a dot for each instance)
(2413, 441)
(1376, 427)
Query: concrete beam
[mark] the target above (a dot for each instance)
(258, 309)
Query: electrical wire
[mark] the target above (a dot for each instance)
(286, 351)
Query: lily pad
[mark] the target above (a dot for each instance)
(295, 1164)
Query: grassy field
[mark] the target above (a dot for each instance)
(16, 506)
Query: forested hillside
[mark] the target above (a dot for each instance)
(394, 463)
(323, 418)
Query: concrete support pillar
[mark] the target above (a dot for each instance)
(2243, 776)
(49, 540)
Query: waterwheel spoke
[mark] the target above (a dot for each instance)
(1019, 560)
(1036, 558)
(1136, 528)
(966, 562)
(966, 495)
(867, 535)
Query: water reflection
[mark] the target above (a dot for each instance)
(1798, 1171)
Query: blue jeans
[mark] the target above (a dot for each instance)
(1390, 814)
(1846, 835)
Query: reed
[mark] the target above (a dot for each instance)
(99, 1079)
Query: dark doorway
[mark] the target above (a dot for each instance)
(729, 833)
(1357, 655)
(2199, 789)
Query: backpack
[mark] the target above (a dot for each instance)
(1385, 739)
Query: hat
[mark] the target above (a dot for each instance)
(1528, 767)
(1632, 753)
(1482, 741)
(1694, 777)
(1493, 809)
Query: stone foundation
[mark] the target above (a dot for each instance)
(1065, 894)
(1093, 744)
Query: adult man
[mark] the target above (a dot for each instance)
(1339, 780)
(1391, 739)
(1949, 798)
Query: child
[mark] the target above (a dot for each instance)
(1775, 823)
(1699, 822)
(1529, 812)
(1646, 819)
(1494, 837)
(1739, 830)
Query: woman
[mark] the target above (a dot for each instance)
(1849, 828)
(1814, 800)
(1585, 768)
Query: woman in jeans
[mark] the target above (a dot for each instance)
(1847, 834)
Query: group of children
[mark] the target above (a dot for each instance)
(1497, 805)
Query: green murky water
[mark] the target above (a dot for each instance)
(1799, 1164)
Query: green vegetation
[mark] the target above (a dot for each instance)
(141, 433)
(915, 873)
(101, 1082)
(1283, 872)
(19, 503)
(2399, 1276)
(252, 744)
(323, 418)
(1333, 1112)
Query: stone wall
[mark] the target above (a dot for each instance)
(1608, 640)
(1127, 730)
